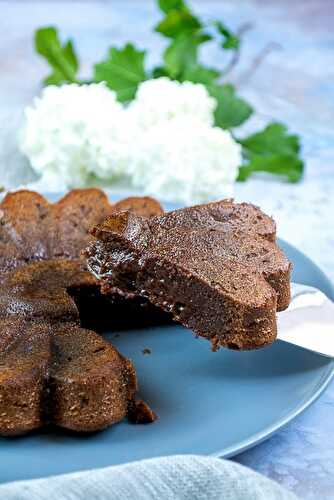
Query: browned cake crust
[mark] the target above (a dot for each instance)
(144, 206)
(51, 369)
(33, 229)
(215, 267)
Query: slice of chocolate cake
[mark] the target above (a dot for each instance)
(216, 268)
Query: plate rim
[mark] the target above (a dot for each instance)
(269, 431)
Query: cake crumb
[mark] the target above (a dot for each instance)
(141, 413)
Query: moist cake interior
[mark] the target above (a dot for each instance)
(216, 268)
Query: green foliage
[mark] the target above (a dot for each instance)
(272, 150)
(197, 73)
(123, 70)
(178, 22)
(168, 5)
(230, 40)
(62, 59)
(231, 110)
(182, 53)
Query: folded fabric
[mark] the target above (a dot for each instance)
(180, 477)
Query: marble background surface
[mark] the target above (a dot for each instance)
(293, 84)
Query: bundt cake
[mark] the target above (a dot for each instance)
(216, 268)
(52, 370)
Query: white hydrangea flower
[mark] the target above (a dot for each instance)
(164, 99)
(186, 160)
(163, 144)
(76, 131)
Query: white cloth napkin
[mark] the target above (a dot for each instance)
(180, 477)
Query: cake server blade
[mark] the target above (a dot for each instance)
(309, 320)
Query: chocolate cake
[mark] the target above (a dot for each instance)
(52, 370)
(216, 268)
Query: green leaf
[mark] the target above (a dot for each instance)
(123, 70)
(273, 139)
(159, 71)
(168, 5)
(178, 22)
(182, 53)
(288, 166)
(230, 40)
(231, 110)
(62, 59)
(272, 150)
(200, 74)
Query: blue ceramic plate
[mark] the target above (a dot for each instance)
(208, 403)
